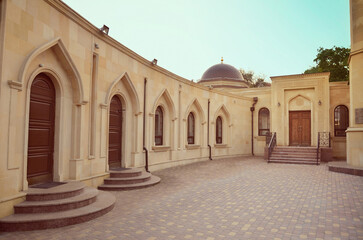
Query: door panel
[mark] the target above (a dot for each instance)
(115, 133)
(294, 138)
(41, 130)
(305, 133)
(300, 128)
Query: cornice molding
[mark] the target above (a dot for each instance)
(255, 90)
(306, 75)
(338, 85)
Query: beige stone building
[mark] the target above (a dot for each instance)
(74, 103)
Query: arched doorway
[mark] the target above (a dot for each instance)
(41, 130)
(115, 133)
(300, 121)
(300, 128)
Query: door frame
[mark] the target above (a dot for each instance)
(121, 132)
(290, 132)
(47, 175)
(123, 129)
(58, 125)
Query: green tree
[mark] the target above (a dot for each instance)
(253, 80)
(333, 60)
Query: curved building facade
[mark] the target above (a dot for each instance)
(97, 93)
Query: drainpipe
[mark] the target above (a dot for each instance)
(209, 146)
(255, 99)
(143, 132)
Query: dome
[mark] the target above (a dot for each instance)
(222, 71)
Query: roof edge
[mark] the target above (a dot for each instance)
(302, 75)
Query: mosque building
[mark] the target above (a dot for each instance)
(76, 106)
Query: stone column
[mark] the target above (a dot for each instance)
(355, 130)
(13, 159)
(76, 163)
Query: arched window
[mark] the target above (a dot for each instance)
(341, 120)
(219, 130)
(191, 128)
(263, 122)
(159, 126)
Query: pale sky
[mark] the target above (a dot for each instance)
(270, 37)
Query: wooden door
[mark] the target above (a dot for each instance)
(300, 128)
(115, 133)
(41, 130)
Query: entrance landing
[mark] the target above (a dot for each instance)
(127, 179)
(59, 206)
(343, 167)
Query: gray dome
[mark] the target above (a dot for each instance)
(222, 71)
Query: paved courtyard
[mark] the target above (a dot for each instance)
(239, 198)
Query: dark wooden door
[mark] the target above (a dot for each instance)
(300, 128)
(41, 130)
(115, 133)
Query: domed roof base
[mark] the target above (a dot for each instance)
(223, 76)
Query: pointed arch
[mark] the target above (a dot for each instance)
(197, 105)
(65, 60)
(303, 104)
(222, 110)
(299, 95)
(124, 89)
(166, 95)
(165, 102)
(197, 112)
(222, 119)
(126, 80)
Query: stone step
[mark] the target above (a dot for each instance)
(132, 172)
(293, 157)
(298, 155)
(145, 176)
(24, 222)
(69, 189)
(88, 196)
(294, 152)
(123, 187)
(295, 149)
(293, 162)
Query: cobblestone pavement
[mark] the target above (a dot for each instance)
(240, 198)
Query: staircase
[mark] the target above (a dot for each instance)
(294, 155)
(57, 206)
(128, 179)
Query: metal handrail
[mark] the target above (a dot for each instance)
(271, 145)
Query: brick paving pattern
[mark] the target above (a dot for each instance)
(239, 198)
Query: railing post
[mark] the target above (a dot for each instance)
(271, 146)
(317, 149)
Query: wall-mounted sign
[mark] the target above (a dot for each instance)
(359, 115)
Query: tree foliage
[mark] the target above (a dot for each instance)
(333, 60)
(253, 80)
